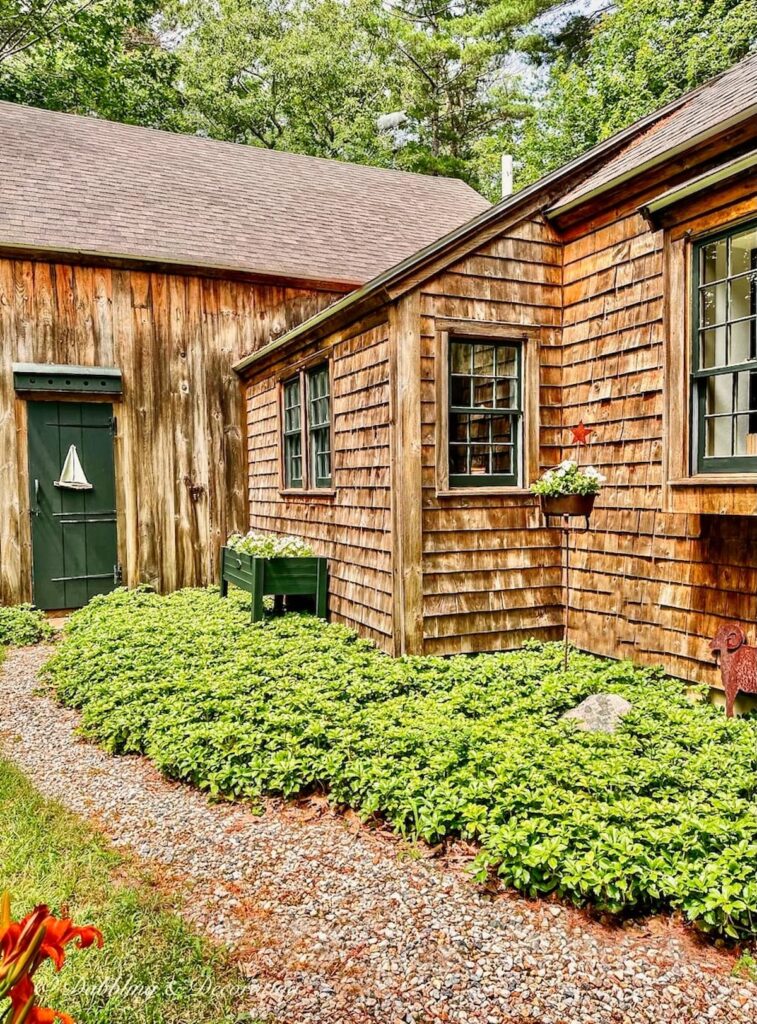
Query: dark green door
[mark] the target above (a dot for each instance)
(74, 553)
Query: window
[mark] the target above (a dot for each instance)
(293, 433)
(485, 412)
(306, 423)
(724, 378)
(319, 427)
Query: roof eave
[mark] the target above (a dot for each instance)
(23, 250)
(561, 209)
(651, 209)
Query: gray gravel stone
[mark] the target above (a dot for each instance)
(331, 926)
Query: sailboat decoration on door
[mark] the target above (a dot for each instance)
(72, 476)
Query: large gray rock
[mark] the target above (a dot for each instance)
(601, 712)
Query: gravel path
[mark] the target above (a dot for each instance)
(332, 925)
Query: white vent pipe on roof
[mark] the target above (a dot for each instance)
(507, 175)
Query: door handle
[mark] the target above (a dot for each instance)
(36, 510)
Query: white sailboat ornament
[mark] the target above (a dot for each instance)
(72, 476)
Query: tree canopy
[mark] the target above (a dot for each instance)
(634, 59)
(89, 57)
(437, 86)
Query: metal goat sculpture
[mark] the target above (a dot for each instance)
(738, 663)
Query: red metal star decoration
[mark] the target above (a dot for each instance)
(581, 433)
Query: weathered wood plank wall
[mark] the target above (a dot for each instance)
(352, 525)
(180, 447)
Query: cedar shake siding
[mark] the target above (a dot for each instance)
(351, 523)
(592, 273)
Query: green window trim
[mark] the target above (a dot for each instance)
(306, 430)
(319, 426)
(724, 352)
(292, 433)
(485, 412)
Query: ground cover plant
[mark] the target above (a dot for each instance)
(21, 624)
(661, 814)
(152, 969)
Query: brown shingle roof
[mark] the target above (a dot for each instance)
(70, 183)
(726, 99)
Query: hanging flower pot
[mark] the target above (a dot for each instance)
(568, 490)
(567, 504)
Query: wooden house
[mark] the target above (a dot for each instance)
(401, 428)
(136, 267)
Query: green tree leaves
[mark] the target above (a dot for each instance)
(639, 56)
(89, 57)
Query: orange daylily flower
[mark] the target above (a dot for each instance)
(24, 946)
(58, 933)
(24, 1011)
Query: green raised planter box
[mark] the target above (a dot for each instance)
(277, 577)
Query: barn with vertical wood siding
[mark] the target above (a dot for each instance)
(620, 291)
(136, 267)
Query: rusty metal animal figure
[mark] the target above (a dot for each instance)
(738, 663)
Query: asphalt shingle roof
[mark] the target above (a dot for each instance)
(709, 108)
(70, 183)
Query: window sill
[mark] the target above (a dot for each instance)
(318, 492)
(485, 492)
(716, 480)
(713, 495)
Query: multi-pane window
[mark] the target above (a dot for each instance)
(319, 427)
(306, 408)
(485, 413)
(293, 433)
(725, 352)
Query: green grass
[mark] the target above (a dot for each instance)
(152, 969)
(662, 814)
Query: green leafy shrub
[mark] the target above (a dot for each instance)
(269, 545)
(21, 625)
(661, 814)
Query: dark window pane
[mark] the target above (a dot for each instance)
(458, 459)
(714, 304)
(460, 357)
(718, 437)
(743, 445)
(714, 266)
(479, 460)
(479, 428)
(483, 392)
(293, 460)
(719, 398)
(743, 249)
(506, 391)
(458, 426)
(743, 341)
(483, 360)
(746, 392)
(460, 391)
(742, 297)
(713, 347)
(502, 459)
(507, 361)
(502, 429)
